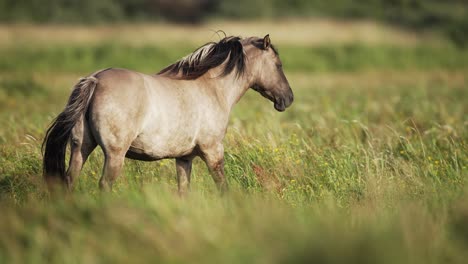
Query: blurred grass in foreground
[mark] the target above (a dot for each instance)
(369, 165)
(155, 225)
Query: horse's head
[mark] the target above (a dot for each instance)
(267, 72)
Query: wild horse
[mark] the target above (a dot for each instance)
(181, 112)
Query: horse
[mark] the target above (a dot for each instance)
(181, 112)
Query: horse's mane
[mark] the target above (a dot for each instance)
(207, 57)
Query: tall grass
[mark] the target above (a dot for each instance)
(154, 225)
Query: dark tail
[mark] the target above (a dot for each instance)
(57, 136)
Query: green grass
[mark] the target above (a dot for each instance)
(152, 58)
(369, 165)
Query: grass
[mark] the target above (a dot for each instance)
(344, 58)
(369, 165)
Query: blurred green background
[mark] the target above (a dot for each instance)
(450, 17)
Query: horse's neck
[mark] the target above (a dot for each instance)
(230, 88)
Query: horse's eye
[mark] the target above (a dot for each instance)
(279, 66)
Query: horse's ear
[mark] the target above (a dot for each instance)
(266, 42)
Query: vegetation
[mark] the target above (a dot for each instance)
(345, 58)
(369, 165)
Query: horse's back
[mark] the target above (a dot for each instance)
(118, 77)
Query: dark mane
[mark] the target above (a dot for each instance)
(207, 57)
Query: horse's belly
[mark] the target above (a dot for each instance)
(137, 155)
(146, 149)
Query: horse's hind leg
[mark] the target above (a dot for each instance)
(115, 142)
(82, 144)
(115, 145)
(112, 167)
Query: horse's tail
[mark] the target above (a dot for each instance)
(57, 136)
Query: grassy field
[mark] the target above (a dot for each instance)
(369, 165)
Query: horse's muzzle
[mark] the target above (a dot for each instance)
(283, 102)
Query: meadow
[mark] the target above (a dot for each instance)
(369, 165)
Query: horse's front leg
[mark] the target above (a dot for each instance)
(184, 169)
(214, 159)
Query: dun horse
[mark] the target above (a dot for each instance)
(181, 112)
